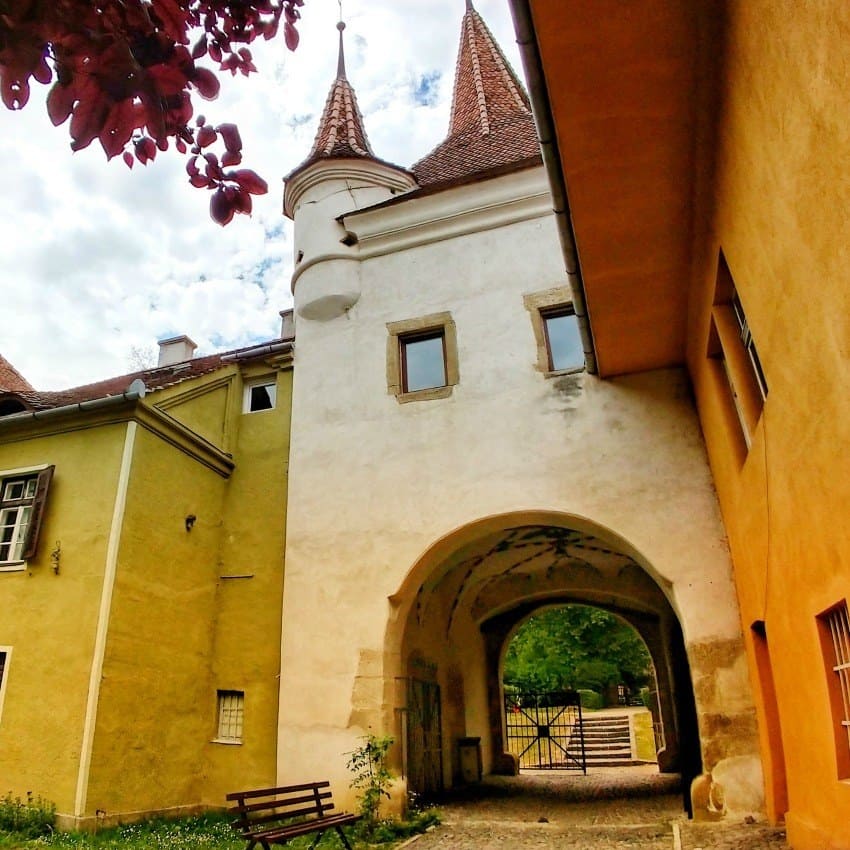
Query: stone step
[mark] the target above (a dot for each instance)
(605, 721)
(592, 756)
(604, 748)
(606, 733)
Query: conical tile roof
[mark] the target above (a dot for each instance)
(491, 124)
(11, 380)
(341, 132)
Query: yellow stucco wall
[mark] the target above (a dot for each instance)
(151, 726)
(777, 208)
(161, 613)
(50, 620)
(205, 406)
(247, 637)
(181, 627)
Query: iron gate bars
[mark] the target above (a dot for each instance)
(544, 731)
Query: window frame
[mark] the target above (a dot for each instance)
(412, 338)
(266, 381)
(223, 694)
(550, 303)
(42, 475)
(419, 329)
(731, 345)
(834, 629)
(6, 652)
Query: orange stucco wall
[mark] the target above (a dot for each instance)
(774, 197)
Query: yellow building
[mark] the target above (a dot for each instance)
(703, 149)
(139, 641)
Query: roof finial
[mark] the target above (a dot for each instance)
(340, 65)
(469, 6)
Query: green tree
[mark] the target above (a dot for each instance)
(576, 646)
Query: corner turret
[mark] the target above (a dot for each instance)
(341, 174)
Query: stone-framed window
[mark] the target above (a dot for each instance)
(422, 360)
(556, 333)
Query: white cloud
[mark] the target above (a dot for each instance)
(96, 259)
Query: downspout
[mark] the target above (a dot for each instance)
(527, 41)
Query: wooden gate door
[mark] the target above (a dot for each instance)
(424, 738)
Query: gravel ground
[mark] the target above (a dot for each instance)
(608, 809)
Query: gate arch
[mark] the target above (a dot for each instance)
(462, 598)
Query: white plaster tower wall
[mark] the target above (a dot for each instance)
(373, 483)
(376, 478)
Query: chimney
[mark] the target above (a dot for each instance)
(287, 327)
(175, 350)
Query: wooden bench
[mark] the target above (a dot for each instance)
(275, 815)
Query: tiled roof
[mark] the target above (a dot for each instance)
(341, 132)
(154, 379)
(11, 380)
(491, 123)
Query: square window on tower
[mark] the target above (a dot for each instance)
(422, 360)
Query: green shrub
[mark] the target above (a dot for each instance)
(391, 829)
(29, 818)
(372, 777)
(591, 699)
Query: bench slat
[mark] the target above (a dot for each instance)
(286, 816)
(280, 804)
(284, 789)
(303, 828)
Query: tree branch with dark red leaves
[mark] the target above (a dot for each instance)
(123, 72)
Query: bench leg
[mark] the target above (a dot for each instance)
(342, 836)
(317, 839)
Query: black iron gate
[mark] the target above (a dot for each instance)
(424, 738)
(544, 731)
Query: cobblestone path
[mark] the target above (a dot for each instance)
(609, 809)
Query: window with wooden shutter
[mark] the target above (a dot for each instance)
(23, 495)
(42, 485)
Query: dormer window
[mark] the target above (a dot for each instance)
(8, 406)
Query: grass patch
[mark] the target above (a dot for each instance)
(644, 737)
(207, 832)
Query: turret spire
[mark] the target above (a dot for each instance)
(486, 87)
(341, 145)
(340, 62)
(491, 125)
(341, 131)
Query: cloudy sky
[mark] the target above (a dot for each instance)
(97, 261)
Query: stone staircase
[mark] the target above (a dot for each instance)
(607, 741)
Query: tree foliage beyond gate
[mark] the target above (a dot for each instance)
(575, 647)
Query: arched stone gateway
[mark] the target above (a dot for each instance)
(465, 597)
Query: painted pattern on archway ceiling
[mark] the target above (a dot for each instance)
(532, 561)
